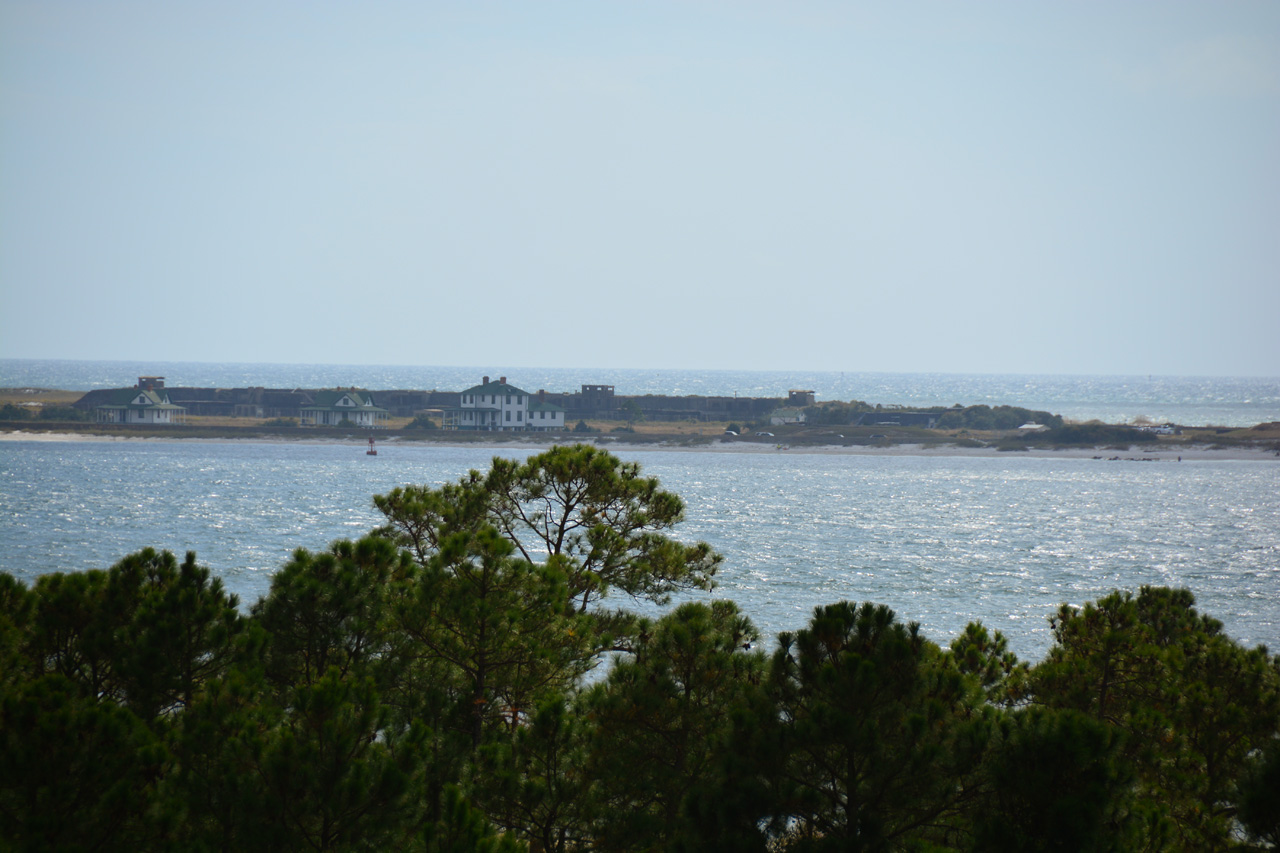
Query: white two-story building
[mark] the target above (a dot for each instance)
(500, 406)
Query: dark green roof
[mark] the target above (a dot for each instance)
(536, 406)
(495, 388)
(137, 398)
(328, 400)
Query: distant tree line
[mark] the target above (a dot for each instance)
(426, 688)
(996, 418)
(836, 414)
(10, 412)
(980, 417)
(1090, 435)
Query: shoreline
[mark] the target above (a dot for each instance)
(1136, 453)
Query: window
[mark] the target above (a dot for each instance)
(519, 416)
(508, 415)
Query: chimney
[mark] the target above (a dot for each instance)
(485, 381)
(542, 395)
(502, 379)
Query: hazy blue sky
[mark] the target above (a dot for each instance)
(963, 187)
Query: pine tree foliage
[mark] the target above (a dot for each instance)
(661, 716)
(879, 738)
(608, 524)
(450, 682)
(1191, 705)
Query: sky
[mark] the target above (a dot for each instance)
(1058, 188)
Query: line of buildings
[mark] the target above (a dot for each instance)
(490, 405)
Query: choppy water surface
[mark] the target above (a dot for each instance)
(941, 540)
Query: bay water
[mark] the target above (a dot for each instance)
(943, 540)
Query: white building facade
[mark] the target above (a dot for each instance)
(502, 406)
(544, 415)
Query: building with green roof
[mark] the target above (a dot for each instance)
(502, 406)
(786, 415)
(147, 403)
(544, 415)
(333, 408)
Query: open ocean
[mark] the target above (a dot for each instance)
(942, 540)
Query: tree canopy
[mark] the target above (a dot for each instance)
(437, 685)
(608, 524)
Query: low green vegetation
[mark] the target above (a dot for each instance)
(631, 412)
(995, 418)
(47, 412)
(1089, 435)
(453, 681)
(835, 413)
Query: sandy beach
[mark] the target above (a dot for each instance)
(1136, 453)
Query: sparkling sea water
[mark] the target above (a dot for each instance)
(943, 540)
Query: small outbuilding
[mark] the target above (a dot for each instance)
(786, 415)
(544, 415)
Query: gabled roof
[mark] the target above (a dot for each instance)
(360, 401)
(536, 406)
(138, 398)
(495, 388)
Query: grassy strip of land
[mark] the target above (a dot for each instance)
(685, 434)
(32, 402)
